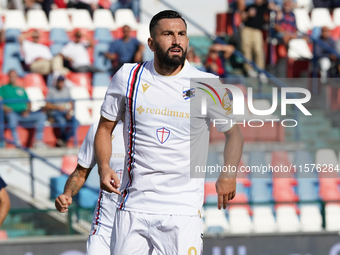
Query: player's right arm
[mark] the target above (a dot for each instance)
(73, 184)
(109, 180)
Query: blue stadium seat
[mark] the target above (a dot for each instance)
(101, 79)
(12, 59)
(307, 189)
(58, 35)
(87, 198)
(213, 160)
(12, 35)
(261, 190)
(57, 185)
(316, 32)
(56, 48)
(100, 61)
(103, 35)
(302, 158)
(257, 158)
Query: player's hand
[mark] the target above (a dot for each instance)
(226, 190)
(62, 202)
(109, 180)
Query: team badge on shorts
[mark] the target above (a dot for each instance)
(162, 134)
(188, 93)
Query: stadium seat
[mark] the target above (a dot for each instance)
(59, 35)
(103, 35)
(239, 220)
(336, 16)
(81, 19)
(36, 97)
(215, 221)
(57, 185)
(143, 33)
(3, 235)
(310, 217)
(101, 79)
(303, 22)
(298, 48)
(126, 17)
(332, 217)
(263, 219)
(98, 95)
(36, 19)
(59, 19)
(326, 157)
(306, 4)
(83, 105)
(287, 219)
(12, 35)
(100, 61)
(12, 59)
(56, 48)
(261, 190)
(15, 19)
(280, 158)
(321, 17)
(209, 189)
(80, 79)
(87, 198)
(302, 158)
(102, 18)
(307, 189)
(258, 159)
(35, 80)
(69, 163)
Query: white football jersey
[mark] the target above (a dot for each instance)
(104, 213)
(160, 129)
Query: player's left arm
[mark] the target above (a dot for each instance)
(226, 183)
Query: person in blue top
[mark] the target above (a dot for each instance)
(125, 50)
(286, 23)
(5, 203)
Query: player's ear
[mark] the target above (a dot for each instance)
(151, 44)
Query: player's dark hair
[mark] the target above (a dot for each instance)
(168, 14)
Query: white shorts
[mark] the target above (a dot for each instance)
(102, 223)
(144, 234)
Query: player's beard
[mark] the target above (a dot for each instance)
(165, 58)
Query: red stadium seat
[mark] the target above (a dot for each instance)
(4, 79)
(209, 189)
(35, 80)
(280, 158)
(86, 33)
(81, 79)
(44, 36)
(3, 235)
(69, 164)
(118, 33)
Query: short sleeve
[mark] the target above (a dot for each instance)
(113, 106)
(221, 109)
(2, 183)
(86, 157)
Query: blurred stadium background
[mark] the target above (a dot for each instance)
(269, 215)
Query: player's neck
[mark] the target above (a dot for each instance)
(165, 70)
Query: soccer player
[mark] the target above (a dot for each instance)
(159, 204)
(103, 217)
(5, 202)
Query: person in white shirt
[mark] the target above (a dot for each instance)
(103, 216)
(159, 204)
(76, 57)
(37, 56)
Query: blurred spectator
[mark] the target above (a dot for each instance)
(32, 5)
(285, 26)
(5, 203)
(126, 4)
(125, 50)
(61, 109)
(19, 111)
(194, 60)
(251, 34)
(327, 61)
(75, 55)
(2, 32)
(37, 56)
(214, 63)
(237, 5)
(323, 3)
(90, 5)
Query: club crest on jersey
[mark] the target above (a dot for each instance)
(188, 93)
(162, 134)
